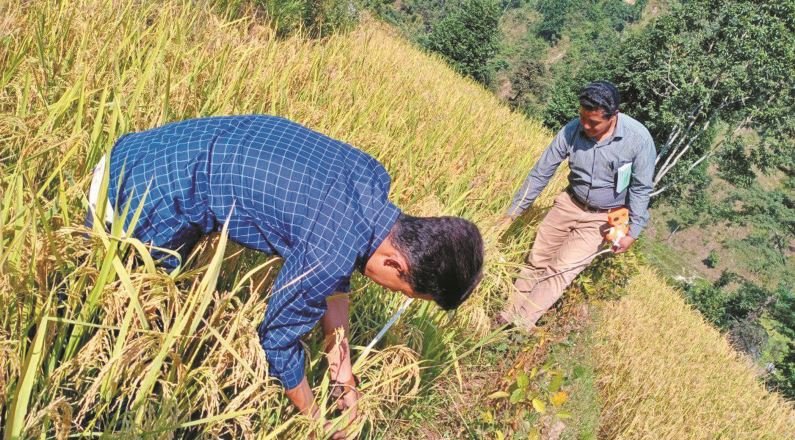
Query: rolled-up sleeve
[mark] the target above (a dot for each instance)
(295, 307)
(641, 186)
(544, 169)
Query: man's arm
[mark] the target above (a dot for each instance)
(544, 169)
(303, 399)
(301, 396)
(640, 187)
(336, 327)
(291, 313)
(298, 302)
(339, 355)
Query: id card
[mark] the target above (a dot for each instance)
(622, 178)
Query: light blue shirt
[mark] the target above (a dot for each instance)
(594, 168)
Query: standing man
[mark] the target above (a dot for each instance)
(611, 161)
(319, 203)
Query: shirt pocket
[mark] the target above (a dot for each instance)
(617, 165)
(605, 174)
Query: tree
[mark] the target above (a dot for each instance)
(527, 83)
(705, 75)
(317, 18)
(783, 313)
(554, 13)
(468, 38)
(595, 31)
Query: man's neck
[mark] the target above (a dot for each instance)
(610, 131)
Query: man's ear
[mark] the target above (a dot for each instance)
(395, 264)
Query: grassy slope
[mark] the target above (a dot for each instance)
(76, 77)
(72, 86)
(664, 373)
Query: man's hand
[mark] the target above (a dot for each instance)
(348, 403)
(302, 398)
(623, 244)
(505, 222)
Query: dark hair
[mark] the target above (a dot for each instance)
(600, 94)
(444, 254)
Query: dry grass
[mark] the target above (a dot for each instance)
(93, 344)
(664, 373)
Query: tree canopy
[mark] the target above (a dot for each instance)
(705, 76)
(468, 37)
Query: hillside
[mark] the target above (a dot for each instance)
(665, 373)
(120, 356)
(91, 343)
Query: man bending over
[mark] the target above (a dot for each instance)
(319, 203)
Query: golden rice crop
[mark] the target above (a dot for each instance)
(93, 343)
(664, 373)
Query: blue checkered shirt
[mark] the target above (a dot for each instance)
(318, 203)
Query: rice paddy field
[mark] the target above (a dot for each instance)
(92, 344)
(664, 373)
(96, 341)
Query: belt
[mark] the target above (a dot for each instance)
(584, 206)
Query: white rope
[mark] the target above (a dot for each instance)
(383, 331)
(408, 301)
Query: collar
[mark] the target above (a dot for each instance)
(620, 130)
(381, 229)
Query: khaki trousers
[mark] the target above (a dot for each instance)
(567, 237)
